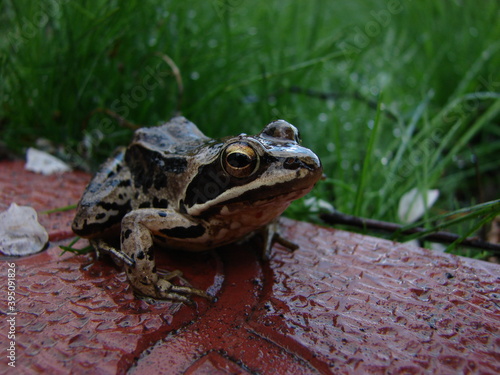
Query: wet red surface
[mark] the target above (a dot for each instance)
(342, 303)
(42, 193)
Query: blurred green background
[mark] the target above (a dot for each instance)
(431, 69)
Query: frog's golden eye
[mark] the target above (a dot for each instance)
(240, 160)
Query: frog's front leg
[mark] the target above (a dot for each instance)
(137, 229)
(270, 235)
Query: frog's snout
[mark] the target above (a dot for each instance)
(310, 162)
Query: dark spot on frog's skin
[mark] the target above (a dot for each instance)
(145, 205)
(150, 167)
(193, 231)
(127, 233)
(100, 216)
(120, 196)
(160, 181)
(150, 253)
(140, 255)
(111, 174)
(136, 195)
(154, 269)
(162, 214)
(121, 208)
(160, 203)
(92, 228)
(124, 183)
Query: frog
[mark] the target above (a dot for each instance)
(175, 188)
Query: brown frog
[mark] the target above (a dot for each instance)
(177, 188)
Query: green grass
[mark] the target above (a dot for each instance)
(431, 68)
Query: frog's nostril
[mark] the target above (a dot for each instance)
(292, 163)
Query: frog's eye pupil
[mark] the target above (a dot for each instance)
(240, 160)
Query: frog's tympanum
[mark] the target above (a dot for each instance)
(179, 189)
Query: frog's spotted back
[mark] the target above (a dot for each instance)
(176, 136)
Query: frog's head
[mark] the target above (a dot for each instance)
(269, 167)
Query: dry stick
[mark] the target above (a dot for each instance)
(121, 120)
(127, 124)
(441, 237)
(178, 78)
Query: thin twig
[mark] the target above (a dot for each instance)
(440, 236)
(178, 78)
(121, 120)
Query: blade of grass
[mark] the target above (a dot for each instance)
(486, 118)
(367, 160)
(464, 214)
(473, 229)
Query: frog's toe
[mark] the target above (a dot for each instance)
(167, 290)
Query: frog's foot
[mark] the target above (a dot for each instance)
(101, 247)
(166, 276)
(271, 235)
(292, 246)
(163, 289)
(166, 290)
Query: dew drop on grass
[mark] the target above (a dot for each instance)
(374, 90)
(345, 106)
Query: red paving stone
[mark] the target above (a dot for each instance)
(342, 303)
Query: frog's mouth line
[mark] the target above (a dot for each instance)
(277, 191)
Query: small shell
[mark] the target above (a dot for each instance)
(20, 232)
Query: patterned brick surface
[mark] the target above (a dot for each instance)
(342, 303)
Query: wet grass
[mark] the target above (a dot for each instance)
(429, 68)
